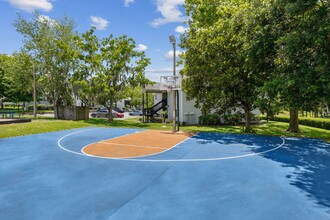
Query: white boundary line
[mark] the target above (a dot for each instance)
(70, 151)
(165, 160)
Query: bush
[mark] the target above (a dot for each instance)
(41, 107)
(210, 119)
(233, 119)
(50, 107)
(312, 122)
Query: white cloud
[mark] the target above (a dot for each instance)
(180, 29)
(99, 23)
(31, 5)
(164, 70)
(169, 55)
(170, 12)
(155, 74)
(46, 19)
(141, 47)
(128, 2)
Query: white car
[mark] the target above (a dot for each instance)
(136, 113)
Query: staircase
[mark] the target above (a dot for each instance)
(152, 112)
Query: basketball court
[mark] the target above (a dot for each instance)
(111, 173)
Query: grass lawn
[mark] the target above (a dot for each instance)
(48, 125)
(271, 128)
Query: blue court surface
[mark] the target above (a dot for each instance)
(208, 176)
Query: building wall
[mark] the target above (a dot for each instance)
(188, 114)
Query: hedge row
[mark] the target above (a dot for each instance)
(215, 119)
(211, 119)
(312, 122)
(42, 107)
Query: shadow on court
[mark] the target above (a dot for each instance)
(310, 160)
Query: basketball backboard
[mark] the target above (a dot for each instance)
(170, 83)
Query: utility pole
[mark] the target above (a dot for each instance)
(173, 41)
(34, 92)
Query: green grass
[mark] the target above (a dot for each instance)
(327, 119)
(42, 125)
(48, 125)
(271, 128)
(323, 123)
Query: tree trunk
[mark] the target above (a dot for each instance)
(294, 122)
(110, 116)
(268, 111)
(57, 113)
(247, 119)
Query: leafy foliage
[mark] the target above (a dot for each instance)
(228, 54)
(265, 53)
(107, 68)
(50, 43)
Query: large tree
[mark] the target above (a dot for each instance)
(19, 78)
(107, 67)
(51, 44)
(122, 66)
(89, 64)
(303, 56)
(229, 54)
(2, 78)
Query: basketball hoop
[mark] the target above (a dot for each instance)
(170, 83)
(168, 88)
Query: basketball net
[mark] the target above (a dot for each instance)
(169, 88)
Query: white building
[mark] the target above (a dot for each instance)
(187, 113)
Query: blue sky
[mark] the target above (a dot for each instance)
(148, 22)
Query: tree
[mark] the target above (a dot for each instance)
(107, 68)
(229, 54)
(51, 44)
(135, 95)
(303, 56)
(122, 66)
(19, 78)
(2, 80)
(89, 63)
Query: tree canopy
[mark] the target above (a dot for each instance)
(228, 54)
(95, 70)
(238, 52)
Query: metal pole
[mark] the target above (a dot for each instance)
(174, 111)
(143, 109)
(34, 93)
(173, 41)
(178, 107)
(174, 92)
(147, 107)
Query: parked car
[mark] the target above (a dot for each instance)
(136, 113)
(119, 110)
(103, 113)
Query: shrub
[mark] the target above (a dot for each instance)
(41, 107)
(312, 122)
(233, 119)
(211, 119)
